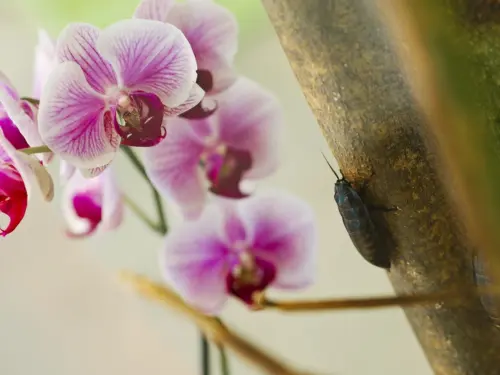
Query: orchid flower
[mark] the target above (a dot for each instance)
(45, 61)
(239, 141)
(90, 204)
(241, 248)
(115, 86)
(212, 32)
(17, 117)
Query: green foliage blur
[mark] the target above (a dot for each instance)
(53, 15)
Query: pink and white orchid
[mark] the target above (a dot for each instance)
(115, 86)
(18, 171)
(212, 32)
(241, 248)
(239, 141)
(90, 204)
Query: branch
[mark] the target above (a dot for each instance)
(351, 78)
(212, 327)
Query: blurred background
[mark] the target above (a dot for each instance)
(63, 310)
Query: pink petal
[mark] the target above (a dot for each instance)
(72, 121)
(173, 166)
(195, 96)
(281, 230)
(5, 84)
(13, 197)
(91, 204)
(154, 9)
(150, 56)
(33, 173)
(212, 31)
(224, 74)
(45, 61)
(196, 262)
(250, 118)
(14, 110)
(66, 170)
(76, 224)
(112, 201)
(77, 42)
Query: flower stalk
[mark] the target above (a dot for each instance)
(36, 150)
(212, 327)
(262, 302)
(161, 227)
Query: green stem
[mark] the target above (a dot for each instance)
(33, 101)
(205, 355)
(142, 215)
(224, 364)
(35, 150)
(161, 227)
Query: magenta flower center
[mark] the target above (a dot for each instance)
(249, 275)
(13, 197)
(224, 168)
(139, 119)
(88, 206)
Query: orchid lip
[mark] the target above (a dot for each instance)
(205, 108)
(205, 80)
(225, 171)
(13, 198)
(139, 119)
(87, 206)
(248, 276)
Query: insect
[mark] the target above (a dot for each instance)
(490, 303)
(358, 222)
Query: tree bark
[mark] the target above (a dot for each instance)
(352, 80)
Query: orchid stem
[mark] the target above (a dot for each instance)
(205, 355)
(33, 101)
(35, 150)
(210, 326)
(161, 227)
(223, 360)
(141, 214)
(370, 303)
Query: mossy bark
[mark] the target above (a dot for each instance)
(351, 77)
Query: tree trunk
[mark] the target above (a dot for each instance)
(352, 80)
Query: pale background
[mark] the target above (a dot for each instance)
(62, 310)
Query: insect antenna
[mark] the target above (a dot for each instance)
(331, 168)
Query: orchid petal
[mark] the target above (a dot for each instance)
(250, 118)
(212, 31)
(31, 170)
(195, 96)
(153, 9)
(45, 61)
(150, 56)
(66, 170)
(13, 197)
(112, 201)
(196, 262)
(6, 84)
(77, 43)
(77, 226)
(281, 230)
(73, 121)
(93, 172)
(173, 166)
(26, 126)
